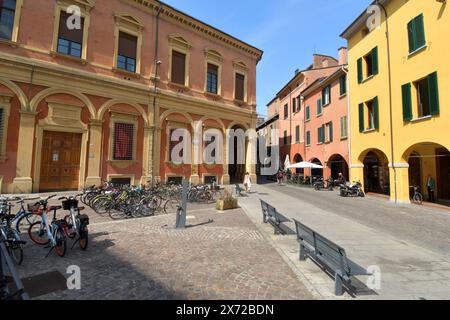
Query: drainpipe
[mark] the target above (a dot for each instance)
(390, 100)
(155, 90)
(348, 121)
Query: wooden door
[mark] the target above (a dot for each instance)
(443, 174)
(60, 164)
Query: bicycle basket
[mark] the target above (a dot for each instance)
(71, 203)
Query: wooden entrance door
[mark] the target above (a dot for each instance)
(60, 164)
(443, 174)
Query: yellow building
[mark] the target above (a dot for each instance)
(399, 98)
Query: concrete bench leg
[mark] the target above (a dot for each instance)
(302, 253)
(338, 285)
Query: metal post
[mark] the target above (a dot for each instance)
(181, 212)
(5, 261)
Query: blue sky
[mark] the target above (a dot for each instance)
(288, 31)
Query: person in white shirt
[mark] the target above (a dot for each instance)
(247, 182)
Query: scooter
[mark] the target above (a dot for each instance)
(353, 190)
(320, 184)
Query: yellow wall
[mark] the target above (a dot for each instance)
(404, 68)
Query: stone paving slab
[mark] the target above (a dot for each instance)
(148, 259)
(408, 270)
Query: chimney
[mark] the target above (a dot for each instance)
(343, 56)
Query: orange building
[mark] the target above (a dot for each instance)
(81, 105)
(289, 104)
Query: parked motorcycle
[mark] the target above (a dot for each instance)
(320, 184)
(353, 190)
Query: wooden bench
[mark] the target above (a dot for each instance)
(330, 256)
(276, 219)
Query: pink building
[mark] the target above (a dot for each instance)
(326, 121)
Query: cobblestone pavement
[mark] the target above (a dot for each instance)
(148, 259)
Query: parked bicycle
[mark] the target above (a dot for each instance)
(49, 234)
(417, 197)
(76, 227)
(10, 236)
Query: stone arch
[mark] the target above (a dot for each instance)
(169, 112)
(50, 91)
(220, 122)
(338, 164)
(17, 91)
(376, 171)
(110, 103)
(239, 124)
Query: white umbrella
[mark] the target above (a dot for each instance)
(287, 162)
(305, 165)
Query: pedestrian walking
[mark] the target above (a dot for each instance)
(248, 183)
(280, 177)
(431, 185)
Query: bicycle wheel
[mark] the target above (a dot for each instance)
(171, 206)
(84, 238)
(61, 243)
(418, 199)
(38, 234)
(70, 227)
(15, 249)
(25, 221)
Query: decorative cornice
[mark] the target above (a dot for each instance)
(199, 26)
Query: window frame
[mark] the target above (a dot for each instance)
(214, 57)
(344, 127)
(85, 14)
(5, 106)
(16, 24)
(414, 33)
(132, 26)
(179, 44)
(126, 118)
(308, 138)
(241, 68)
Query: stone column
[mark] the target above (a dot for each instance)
(399, 182)
(251, 156)
(146, 155)
(225, 175)
(155, 171)
(95, 153)
(23, 183)
(357, 173)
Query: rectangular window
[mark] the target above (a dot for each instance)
(308, 113)
(299, 106)
(308, 138)
(344, 127)
(70, 42)
(370, 116)
(371, 62)
(369, 66)
(178, 68)
(423, 98)
(127, 54)
(326, 95)
(416, 34)
(319, 107)
(212, 78)
(371, 110)
(240, 87)
(297, 134)
(329, 132)
(7, 13)
(285, 138)
(286, 111)
(123, 141)
(343, 85)
(294, 105)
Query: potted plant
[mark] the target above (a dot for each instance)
(226, 202)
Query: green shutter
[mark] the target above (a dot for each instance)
(308, 115)
(361, 118)
(407, 102)
(375, 61)
(319, 107)
(360, 70)
(411, 36)
(433, 93)
(294, 105)
(343, 85)
(376, 112)
(308, 138)
(420, 32)
(331, 132)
